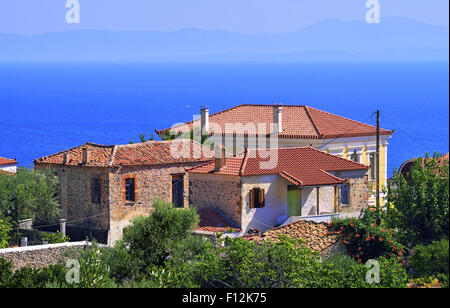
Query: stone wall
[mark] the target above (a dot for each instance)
(359, 190)
(219, 191)
(76, 194)
(39, 256)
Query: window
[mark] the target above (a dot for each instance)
(355, 157)
(130, 189)
(178, 190)
(96, 191)
(257, 198)
(372, 165)
(345, 194)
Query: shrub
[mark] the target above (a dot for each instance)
(29, 277)
(392, 274)
(54, 238)
(30, 194)
(94, 272)
(352, 274)
(421, 202)
(365, 240)
(431, 260)
(244, 264)
(6, 273)
(5, 231)
(153, 238)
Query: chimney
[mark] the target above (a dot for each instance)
(204, 120)
(86, 156)
(219, 160)
(277, 119)
(66, 158)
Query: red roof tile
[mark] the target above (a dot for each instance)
(301, 166)
(139, 154)
(316, 236)
(7, 162)
(297, 122)
(212, 220)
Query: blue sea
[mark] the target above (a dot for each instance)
(49, 107)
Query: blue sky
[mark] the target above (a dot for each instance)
(244, 16)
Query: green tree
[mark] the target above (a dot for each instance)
(5, 233)
(29, 194)
(143, 139)
(419, 204)
(154, 238)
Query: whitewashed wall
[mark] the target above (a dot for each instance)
(12, 169)
(276, 202)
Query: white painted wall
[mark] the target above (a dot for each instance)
(309, 200)
(275, 206)
(275, 211)
(12, 169)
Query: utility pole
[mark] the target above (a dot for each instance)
(377, 168)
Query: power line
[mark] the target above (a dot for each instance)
(403, 131)
(76, 220)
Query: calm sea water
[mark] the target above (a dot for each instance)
(46, 108)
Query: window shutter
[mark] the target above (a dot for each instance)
(252, 198)
(262, 198)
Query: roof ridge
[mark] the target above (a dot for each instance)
(244, 162)
(291, 176)
(112, 157)
(231, 108)
(333, 176)
(312, 121)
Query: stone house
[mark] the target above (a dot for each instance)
(8, 165)
(294, 126)
(103, 187)
(304, 184)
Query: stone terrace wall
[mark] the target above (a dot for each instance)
(39, 256)
(219, 191)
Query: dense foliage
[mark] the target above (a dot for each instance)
(29, 277)
(29, 194)
(431, 261)
(419, 204)
(54, 238)
(366, 240)
(5, 233)
(152, 239)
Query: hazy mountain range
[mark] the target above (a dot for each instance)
(391, 40)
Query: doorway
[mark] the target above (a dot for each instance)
(294, 201)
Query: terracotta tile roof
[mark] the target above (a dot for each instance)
(297, 122)
(212, 220)
(159, 152)
(316, 236)
(7, 162)
(139, 154)
(99, 156)
(304, 166)
(407, 165)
